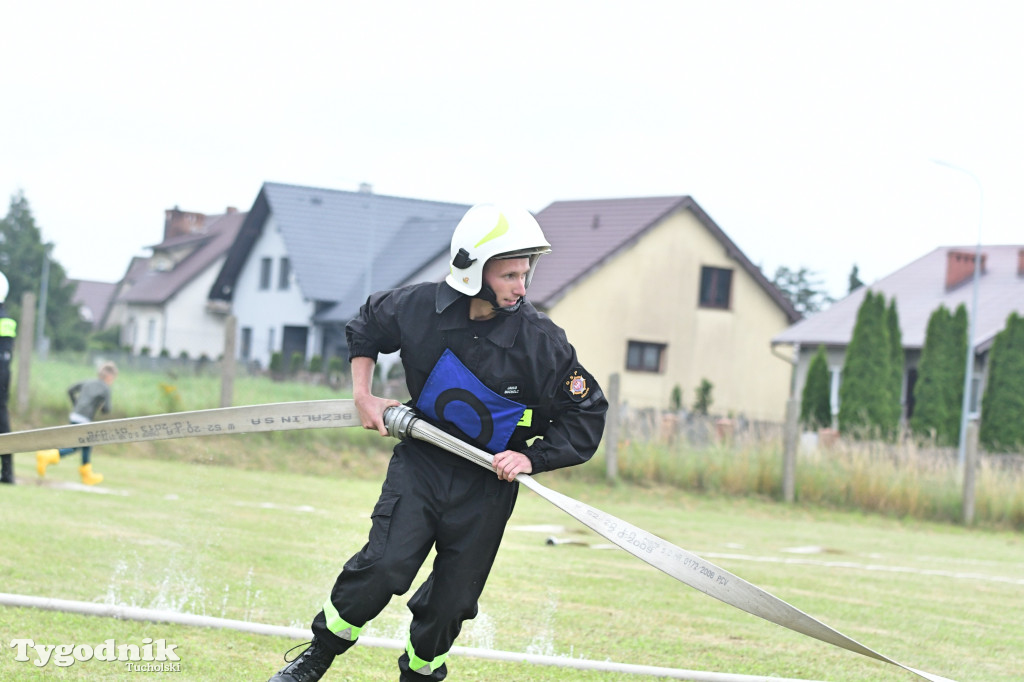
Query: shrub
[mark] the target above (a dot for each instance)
(816, 400)
(703, 400)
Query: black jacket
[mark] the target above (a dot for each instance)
(524, 356)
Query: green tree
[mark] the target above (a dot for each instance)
(1002, 406)
(815, 402)
(22, 252)
(896, 363)
(937, 394)
(866, 400)
(802, 288)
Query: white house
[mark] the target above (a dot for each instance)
(162, 300)
(306, 258)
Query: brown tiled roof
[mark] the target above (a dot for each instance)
(154, 286)
(584, 234)
(919, 288)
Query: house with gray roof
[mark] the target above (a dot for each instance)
(306, 258)
(944, 277)
(161, 302)
(653, 290)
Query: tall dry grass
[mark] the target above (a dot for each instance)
(897, 480)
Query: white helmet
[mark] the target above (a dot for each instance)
(4, 287)
(485, 232)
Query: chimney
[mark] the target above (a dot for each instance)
(178, 223)
(365, 188)
(231, 210)
(960, 267)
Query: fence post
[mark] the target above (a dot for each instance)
(970, 469)
(227, 363)
(26, 333)
(790, 438)
(611, 430)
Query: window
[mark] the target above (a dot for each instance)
(246, 345)
(265, 265)
(644, 357)
(715, 287)
(283, 273)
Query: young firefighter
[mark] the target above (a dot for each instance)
(88, 397)
(483, 364)
(8, 330)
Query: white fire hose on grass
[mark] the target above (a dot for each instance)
(402, 422)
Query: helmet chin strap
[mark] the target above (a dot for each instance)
(487, 293)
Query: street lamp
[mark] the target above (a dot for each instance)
(969, 373)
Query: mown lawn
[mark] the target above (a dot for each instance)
(175, 527)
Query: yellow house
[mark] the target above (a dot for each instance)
(652, 289)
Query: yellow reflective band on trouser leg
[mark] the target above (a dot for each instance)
(418, 665)
(338, 625)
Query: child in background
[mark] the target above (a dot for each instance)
(88, 397)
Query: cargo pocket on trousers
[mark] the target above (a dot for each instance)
(381, 525)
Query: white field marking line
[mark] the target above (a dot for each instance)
(274, 505)
(866, 567)
(158, 616)
(57, 484)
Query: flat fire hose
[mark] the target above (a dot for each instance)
(402, 423)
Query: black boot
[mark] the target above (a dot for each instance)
(310, 666)
(6, 469)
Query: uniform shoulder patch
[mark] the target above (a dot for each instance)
(577, 384)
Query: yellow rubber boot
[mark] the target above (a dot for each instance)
(44, 458)
(89, 477)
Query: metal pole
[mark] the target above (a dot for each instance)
(972, 320)
(970, 471)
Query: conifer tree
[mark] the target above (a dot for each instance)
(958, 342)
(815, 402)
(894, 409)
(1002, 415)
(865, 395)
(935, 394)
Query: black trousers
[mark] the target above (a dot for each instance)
(430, 498)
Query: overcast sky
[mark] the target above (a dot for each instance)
(806, 130)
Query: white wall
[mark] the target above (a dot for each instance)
(268, 311)
(189, 326)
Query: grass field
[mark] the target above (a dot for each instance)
(173, 528)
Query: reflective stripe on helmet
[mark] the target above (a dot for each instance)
(421, 666)
(338, 625)
(499, 229)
